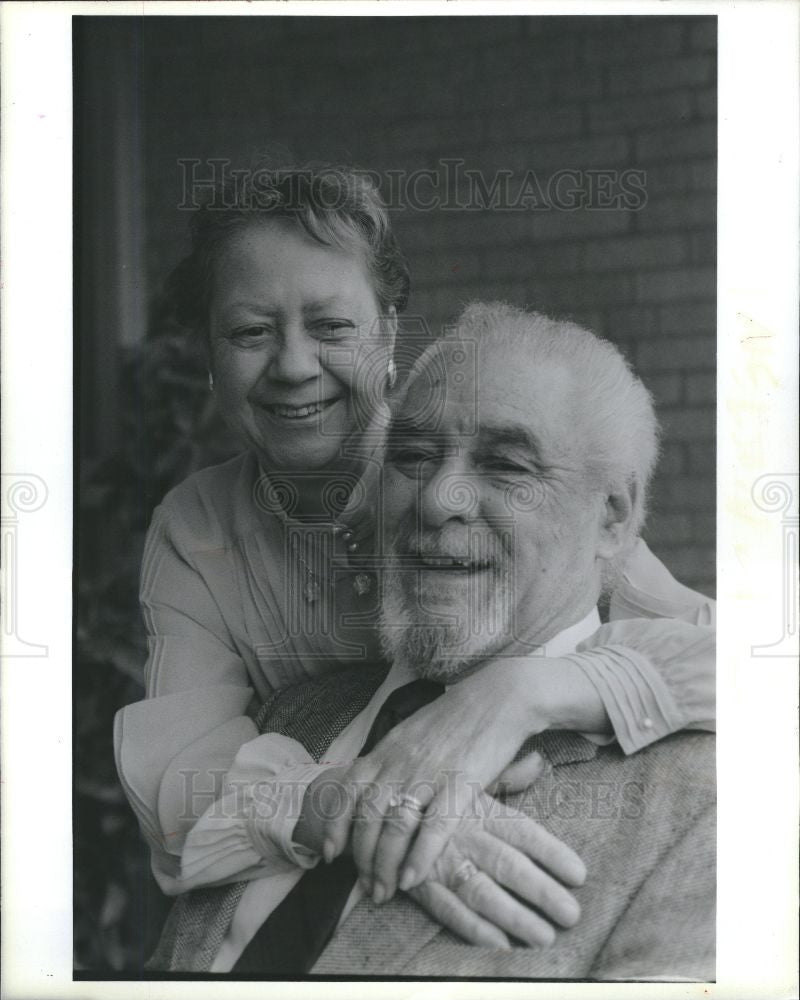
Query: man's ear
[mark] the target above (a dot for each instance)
(617, 520)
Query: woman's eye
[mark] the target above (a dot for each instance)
(409, 456)
(249, 334)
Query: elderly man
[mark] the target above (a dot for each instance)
(517, 471)
(518, 493)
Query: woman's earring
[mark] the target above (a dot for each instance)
(210, 382)
(391, 374)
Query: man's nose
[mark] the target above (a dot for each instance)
(296, 359)
(449, 494)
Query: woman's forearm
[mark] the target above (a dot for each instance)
(570, 699)
(554, 693)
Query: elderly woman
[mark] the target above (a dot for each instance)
(260, 576)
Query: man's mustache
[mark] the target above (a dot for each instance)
(447, 545)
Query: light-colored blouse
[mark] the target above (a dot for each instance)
(223, 568)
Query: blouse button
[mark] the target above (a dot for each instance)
(362, 584)
(647, 722)
(352, 547)
(347, 535)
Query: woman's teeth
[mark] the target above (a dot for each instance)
(297, 412)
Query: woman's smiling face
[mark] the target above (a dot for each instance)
(298, 351)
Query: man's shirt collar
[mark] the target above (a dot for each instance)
(563, 642)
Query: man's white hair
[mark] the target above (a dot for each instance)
(619, 421)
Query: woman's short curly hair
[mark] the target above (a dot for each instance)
(337, 206)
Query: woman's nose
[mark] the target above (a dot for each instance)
(296, 358)
(451, 494)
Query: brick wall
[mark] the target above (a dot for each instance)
(519, 94)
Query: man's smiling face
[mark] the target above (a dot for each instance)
(496, 525)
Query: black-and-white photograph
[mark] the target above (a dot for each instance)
(395, 403)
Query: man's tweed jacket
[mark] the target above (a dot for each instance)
(645, 827)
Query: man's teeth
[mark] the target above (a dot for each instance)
(452, 562)
(296, 412)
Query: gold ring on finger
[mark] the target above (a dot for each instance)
(404, 800)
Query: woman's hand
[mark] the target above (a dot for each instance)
(437, 757)
(493, 850)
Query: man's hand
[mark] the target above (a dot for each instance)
(496, 849)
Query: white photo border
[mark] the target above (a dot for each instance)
(757, 437)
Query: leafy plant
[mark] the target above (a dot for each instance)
(167, 429)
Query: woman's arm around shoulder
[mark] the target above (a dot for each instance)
(653, 664)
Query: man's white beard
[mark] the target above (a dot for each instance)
(430, 644)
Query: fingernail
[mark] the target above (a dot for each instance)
(366, 884)
(378, 893)
(328, 850)
(407, 879)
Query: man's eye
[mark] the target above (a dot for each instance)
(331, 329)
(505, 467)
